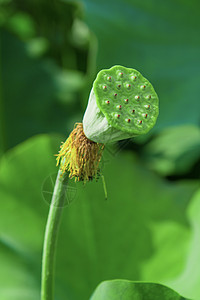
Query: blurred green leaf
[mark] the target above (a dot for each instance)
(128, 290)
(187, 281)
(154, 38)
(22, 24)
(35, 93)
(37, 46)
(17, 275)
(80, 33)
(20, 229)
(174, 150)
(167, 261)
(50, 25)
(5, 1)
(5, 11)
(99, 240)
(191, 272)
(69, 83)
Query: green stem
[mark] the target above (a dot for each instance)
(50, 239)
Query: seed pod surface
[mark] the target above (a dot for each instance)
(127, 99)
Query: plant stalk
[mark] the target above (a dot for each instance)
(51, 234)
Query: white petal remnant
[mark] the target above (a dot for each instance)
(96, 126)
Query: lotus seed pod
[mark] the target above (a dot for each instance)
(122, 104)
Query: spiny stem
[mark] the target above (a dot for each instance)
(51, 234)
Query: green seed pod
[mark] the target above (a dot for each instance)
(122, 104)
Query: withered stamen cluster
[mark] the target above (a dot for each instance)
(80, 156)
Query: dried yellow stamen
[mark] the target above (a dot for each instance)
(80, 156)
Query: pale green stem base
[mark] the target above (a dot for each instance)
(50, 239)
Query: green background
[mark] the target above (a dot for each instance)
(149, 228)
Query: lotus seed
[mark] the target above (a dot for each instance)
(109, 78)
(107, 102)
(137, 97)
(144, 115)
(147, 106)
(140, 122)
(121, 74)
(128, 85)
(119, 85)
(128, 120)
(119, 106)
(104, 87)
(133, 78)
(133, 111)
(117, 116)
(115, 95)
(126, 100)
(148, 97)
(143, 87)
